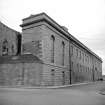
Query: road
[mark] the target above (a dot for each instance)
(75, 95)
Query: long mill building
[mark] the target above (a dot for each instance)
(45, 54)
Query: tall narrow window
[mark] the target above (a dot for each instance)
(53, 76)
(77, 67)
(12, 48)
(5, 47)
(19, 38)
(80, 54)
(83, 57)
(52, 48)
(77, 52)
(63, 78)
(63, 52)
(71, 50)
(72, 65)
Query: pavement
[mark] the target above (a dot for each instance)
(84, 94)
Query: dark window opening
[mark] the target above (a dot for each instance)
(63, 52)
(19, 39)
(52, 48)
(5, 47)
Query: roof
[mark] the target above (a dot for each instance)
(25, 58)
(18, 33)
(44, 17)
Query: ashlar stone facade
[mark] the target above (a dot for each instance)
(65, 59)
(47, 55)
(9, 43)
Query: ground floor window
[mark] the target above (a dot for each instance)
(63, 77)
(53, 76)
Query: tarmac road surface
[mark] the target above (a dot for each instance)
(75, 95)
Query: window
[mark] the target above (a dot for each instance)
(63, 52)
(80, 68)
(52, 76)
(87, 59)
(52, 48)
(80, 54)
(71, 50)
(95, 69)
(77, 52)
(63, 78)
(52, 72)
(86, 69)
(19, 40)
(77, 67)
(83, 56)
(71, 65)
(5, 47)
(12, 48)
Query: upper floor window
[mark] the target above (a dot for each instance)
(72, 65)
(77, 67)
(80, 67)
(80, 54)
(5, 47)
(12, 48)
(71, 50)
(87, 58)
(83, 56)
(63, 52)
(52, 48)
(77, 52)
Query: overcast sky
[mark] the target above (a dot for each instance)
(85, 19)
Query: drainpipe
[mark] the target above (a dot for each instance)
(70, 63)
(23, 74)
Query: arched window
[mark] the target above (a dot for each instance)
(5, 47)
(52, 48)
(63, 52)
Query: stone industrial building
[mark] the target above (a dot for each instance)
(45, 54)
